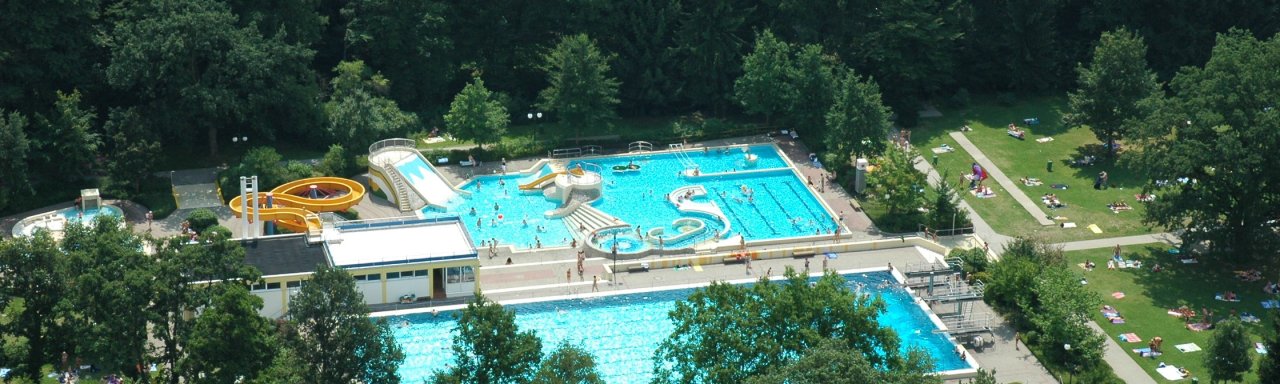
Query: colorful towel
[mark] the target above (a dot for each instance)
(1249, 318)
(1188, 347)
(1271, 304)
(1117, 295)
(1221, 297)
(1130, 337)
(1117, 320)
(1199, 326)
(1095, 228)
(1058, 186)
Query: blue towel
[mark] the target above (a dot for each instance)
(832, 255)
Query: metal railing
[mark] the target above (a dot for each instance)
(592, 150)
(392, 143)
(566, 152)
(640, 146)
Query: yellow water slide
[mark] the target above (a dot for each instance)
(292, 209)
(542, 181)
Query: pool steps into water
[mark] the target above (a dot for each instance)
(592, 220)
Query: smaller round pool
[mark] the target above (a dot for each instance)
(57, 221)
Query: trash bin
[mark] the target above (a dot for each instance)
(1048, 165)
(935, 160)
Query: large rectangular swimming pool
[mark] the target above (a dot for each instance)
(623, 331)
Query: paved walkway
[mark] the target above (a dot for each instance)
(1123, 365)
(1162, 237)
(1030, 205)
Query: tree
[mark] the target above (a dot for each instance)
(409, 42)
(1061, 314)
(641, 33)
(475, 115)
(985, 377)
(336, 162)
(490, 348)
(192, 70)
(898, 182)
(1112, 87)
(1020, 264)
(70, 147)
(830, 362)
(579, 88)
(31, 287)
(358, 114)
(1207, 154)
(813, 78)
(47, 47)
(762, 88)
(568, 363)
(1227, 355)
(229, 341)
(133, 151)
(858, 123)
(727, 333)
(110, 286)
(334, 335)
(946, 212)
(709, 42)
(1269, 364)
(14, 148)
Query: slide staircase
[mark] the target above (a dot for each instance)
(293, 210)
(401, 187)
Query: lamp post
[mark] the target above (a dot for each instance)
(615, 259)
(532, 116)
(1067, 348)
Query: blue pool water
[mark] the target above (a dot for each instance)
(89, 215)
(623, 331)
(775, 203)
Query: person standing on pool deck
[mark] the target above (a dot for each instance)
(568, 276)
(595, 283)
(824, 265)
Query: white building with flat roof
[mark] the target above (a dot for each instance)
(401, 260)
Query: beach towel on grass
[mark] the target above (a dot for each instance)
(1271, 304)
(1221, 297)
(1188, 347)
(1170, 373)
(1130, 337)
(1259, 348)
(1199, 326)
(1249, 318)
(1118, 295)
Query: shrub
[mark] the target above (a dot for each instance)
(336, 162)
(219, 230)
(202, 219)
(1007, 99)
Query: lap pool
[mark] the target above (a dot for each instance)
(623, 331)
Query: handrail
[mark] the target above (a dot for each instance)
(566, 152)
(388, 143)
(640, 146)
(591, 149)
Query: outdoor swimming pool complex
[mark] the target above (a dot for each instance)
(762, 199)
(623, 331)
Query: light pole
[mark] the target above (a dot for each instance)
(531, 116)
(615, 259)
(1067, 348)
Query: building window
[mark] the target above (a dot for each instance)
(422, 272)
(460, 275)
(258, 286)
(293, 284)
(275, 285)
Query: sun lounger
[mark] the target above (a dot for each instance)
(1188, 347)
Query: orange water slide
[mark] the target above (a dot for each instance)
(294, 211)
(541, 181)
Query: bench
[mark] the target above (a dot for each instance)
(734, 260)
(637, 268)
(854, 204)
(804, 254)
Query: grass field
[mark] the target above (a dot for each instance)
(1149, 295)
(1027, 158)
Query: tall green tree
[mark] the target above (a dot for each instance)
(409, 42)
(334, 336)
(641, 33)
(709, 42)
(762, 89)
(813, 81)
(568, 363)
(1227, 355)
(70, 146)
(132, 150)
(579, 90)
(111, 284)
(911, 44)
(898, 182)
(295, 22)
(1062, 316)
(726, 333)
(358, 112)
(1015, 46)
(946, 212)
(490, 348)
(829, 362)
(229, 341)
(193, 71)
(858, 122)
(31, 278)
(1208, 154)
(475, 115)
(1113, 87)
(1269, 364)
(14, 151)
(48, 46)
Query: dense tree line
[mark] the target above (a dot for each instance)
(122, 79)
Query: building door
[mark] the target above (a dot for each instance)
(437, 284)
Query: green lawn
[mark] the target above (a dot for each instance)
(1149, 295)
(1019, 158)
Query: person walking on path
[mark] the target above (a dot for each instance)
(1017, 337)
